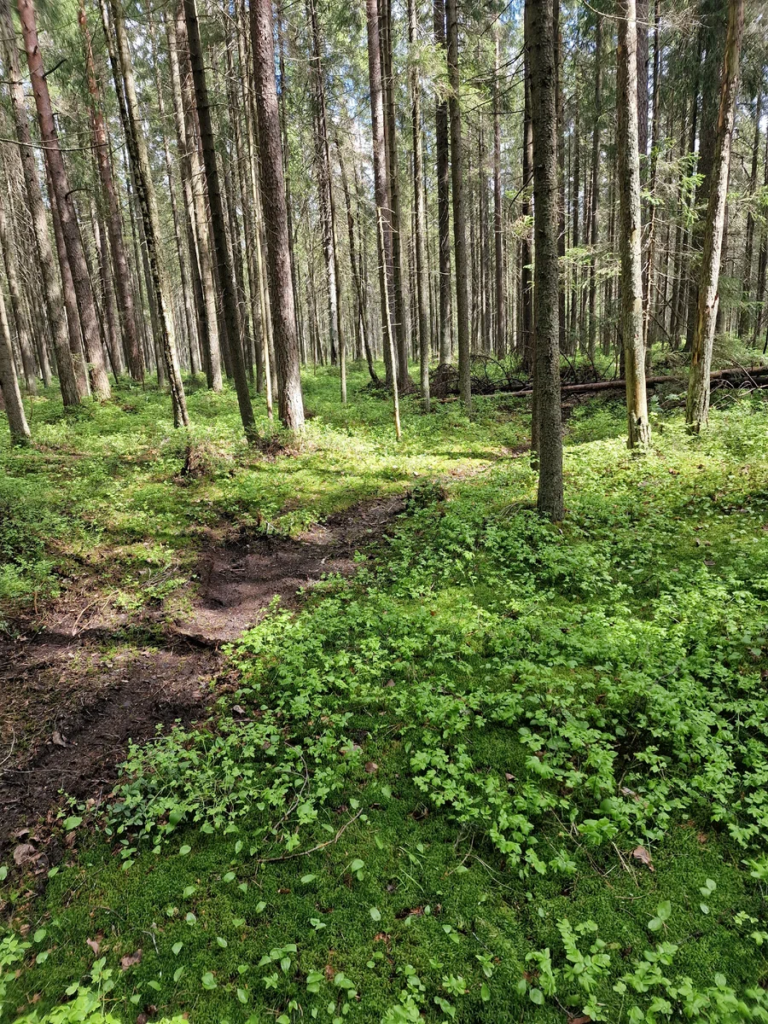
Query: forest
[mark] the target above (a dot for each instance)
(383, 511)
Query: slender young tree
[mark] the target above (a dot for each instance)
(697, 407)
(639, 429)
(145, 190)
(540, 43)
(226, 274)
(70, 229)
(459, 213)
(290, 401)
(498, 213)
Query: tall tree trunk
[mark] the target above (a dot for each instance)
(327, 203)
(218, 223)
(697, 408)
(110, 316)
(639, 429)
(526, 248)
(393, 181)
(23, 336)
(443, 201)
(290, 400)
(498, 213)
(9, 384)
(745, 314)
(459, 214)
(145, 190)
(381, 191)
(594, 188)
(113, 218)
(420, 215)
(762, 260)
(211, 339)
(540, 42)
(58, 176)
(51, 285)
(359, 292)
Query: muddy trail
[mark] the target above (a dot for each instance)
(79, 682)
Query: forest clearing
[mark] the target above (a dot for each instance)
(383, 511)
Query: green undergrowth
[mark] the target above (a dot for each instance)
(114, 488)
(512, 771)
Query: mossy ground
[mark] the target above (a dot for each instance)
(499, 713)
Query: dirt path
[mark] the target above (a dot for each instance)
(82, 682)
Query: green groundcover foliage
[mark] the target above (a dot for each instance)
(511, 771)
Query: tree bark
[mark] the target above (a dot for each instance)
(211, 337)
(290, 401)
(420, 216)
(639, 429)
(498, 213)
(594, 188)
(51, 284)
(9, 384)
(540, 41)
(60, 184)
(226, 276)
(443, 201)
(526, 248)
(459, 213)
(114, 223)
(697, 408)
(145, 190)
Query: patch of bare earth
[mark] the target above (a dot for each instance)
(83, 680)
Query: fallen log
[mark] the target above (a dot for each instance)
(754, 372)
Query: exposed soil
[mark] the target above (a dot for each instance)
(82, 680)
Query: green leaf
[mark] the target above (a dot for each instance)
(42, 957)
(72, 822)
(375, 914)
(178, 973)
(185, 850)
(704, 908)
(222, 942)
(357, 864)
(190, 889)
(177, 948)
(4, 873)
(242, 995)
(485, 993)
(209, 982)
(664, 910)
(39, 935)
(229, 877)
(536, 996)
(306, 879)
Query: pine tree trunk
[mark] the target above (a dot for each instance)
(113, 219)
(139, 157)
(211, 337)
(697, 408)
(420, 215)
(218, 224)
(594, 189)
(58, 176)
(443, 201)
(23, 337)
(9, 384)
(400, 322)
(540, 42)
(459, 213)
(639, 430)
(498, 213)
(286, 340)
(51, 284)
(526, 248)
(745, 315)
(111, 317)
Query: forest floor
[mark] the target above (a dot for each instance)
(420, 755)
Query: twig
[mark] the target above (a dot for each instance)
(10, 752)
(320, 846)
